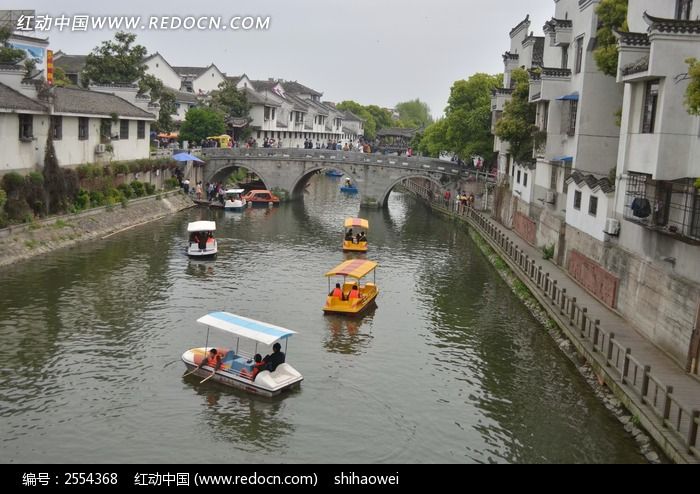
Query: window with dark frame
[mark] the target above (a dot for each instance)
(577, 200)
(518, 180)
(83, 128)
(141, 129)
(683, 9)
(579, 55)
(123, 130)
(525, 180)
(573, 111)
(57, 126)
(26, 126)
(593, 206)
(651, 98)
(565, 57)
(695, 221)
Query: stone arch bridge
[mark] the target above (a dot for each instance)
(289, 170)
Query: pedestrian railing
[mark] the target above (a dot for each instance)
(636, 377)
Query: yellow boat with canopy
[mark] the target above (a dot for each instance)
(355, 239)
(351, 296)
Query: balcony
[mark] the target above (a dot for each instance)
(499, 98)
(559, 31)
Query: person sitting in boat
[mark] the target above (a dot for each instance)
(357, 239)
(195, 238)
(277, 358)
(363, 237)
(354, 293)
(213, 360)
(337, 292)
(258, 366)
(348, 182)
(348, 235)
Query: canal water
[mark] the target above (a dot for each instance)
(449, 367)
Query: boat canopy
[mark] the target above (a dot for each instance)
(356, 223)
(356, 268)
(202, 226)
(246, 328)
(235, 191)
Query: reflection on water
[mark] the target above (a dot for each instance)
(449, 367)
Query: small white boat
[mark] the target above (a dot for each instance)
(201, 241)
(237, 366)
(234, 200)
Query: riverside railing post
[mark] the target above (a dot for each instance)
(596, 333)
(608, 356)
(626, 365)
(584, 318)
(667, 404)
(562, 305)
(572, 315)
(554, 291)
(645, 382)
(693, 430)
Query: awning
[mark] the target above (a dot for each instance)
(564, 158)
(201, 226)
(356, 268)
(356, 223)
(246, 328)
(569, 97)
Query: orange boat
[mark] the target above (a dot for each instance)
(355, 239)
(261, 198)
(355, 269)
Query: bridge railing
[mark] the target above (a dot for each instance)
(637, 377)
(349, 157)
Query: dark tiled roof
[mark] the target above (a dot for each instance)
(397, 131)
(662, 25)
(70, 100)
(190, 71)
(592, 182)
(297, 88)
(524, 23)
(14, 100)
(234, 79)
(183, 96)
(502, 90)
(554, 24)
(633, 39)
(264, 85)
(71, 64)
(258, 99)
(348, 115)
(510, 56)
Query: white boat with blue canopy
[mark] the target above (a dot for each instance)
(238, 367)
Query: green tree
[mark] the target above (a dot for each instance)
(54, 182)
(201, 123)
(692, 95)
(517, 126)
(8, 54)
(382, 117)
(466, 128)
(60, 79)
(359, 110)
(612, 16)
(414, 113)
(230, 101)
(164, 97)
(115, 62)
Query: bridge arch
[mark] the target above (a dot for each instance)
(384, 199)
(301, 181)
(220, 173)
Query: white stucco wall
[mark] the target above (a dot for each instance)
(158, 67)
(581, 219)
(520, 190)
(208, 81)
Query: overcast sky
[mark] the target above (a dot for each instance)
(371, 51)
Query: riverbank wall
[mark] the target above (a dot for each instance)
(661, 397)
(30, 240)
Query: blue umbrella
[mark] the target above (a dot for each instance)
(186, 157)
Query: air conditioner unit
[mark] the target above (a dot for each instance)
(612, 227)
(550, 197)
(100, 149)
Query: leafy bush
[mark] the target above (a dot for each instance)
(96, 198)
(150, 189)
(120, 168)
(13, 183)
(126, 191)
(134, 167)
(172, 183)
(82, 200)
(138, 188)
(17, 209)
(548, 252)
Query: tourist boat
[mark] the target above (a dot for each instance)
(353, 227)
(201, 239)
(334, 173)
(236, 364)
(355, 269)
(234, 200)
(261, 198)
(348, 187)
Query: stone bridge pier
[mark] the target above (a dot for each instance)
(287, 171)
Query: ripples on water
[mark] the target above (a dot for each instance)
(449, 367)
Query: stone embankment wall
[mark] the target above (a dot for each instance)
(26, 241)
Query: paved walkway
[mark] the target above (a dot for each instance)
(650, 384)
